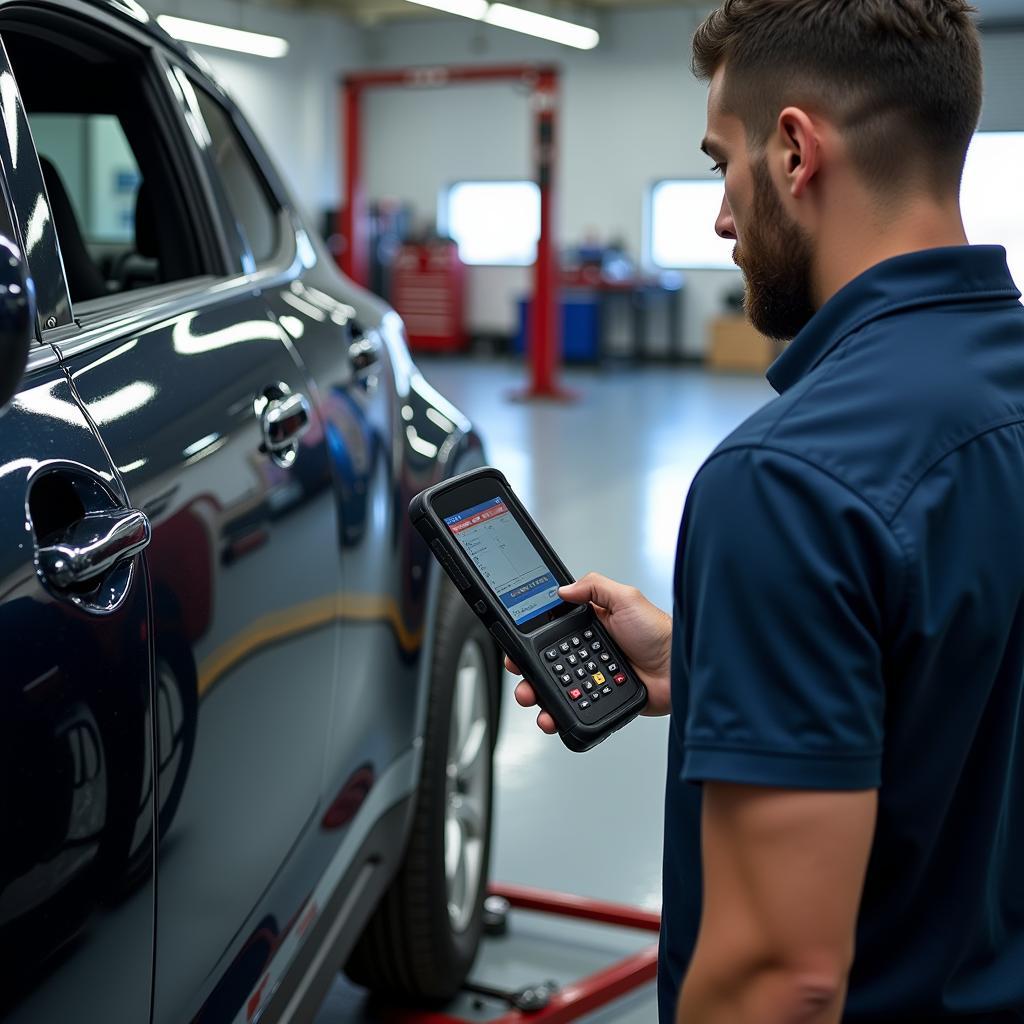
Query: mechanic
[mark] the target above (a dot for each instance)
(844, 833)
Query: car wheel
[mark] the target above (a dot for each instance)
(423, 938)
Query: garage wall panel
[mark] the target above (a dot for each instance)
(631, 114)
(1003, 110)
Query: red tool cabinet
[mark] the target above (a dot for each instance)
(428, 291)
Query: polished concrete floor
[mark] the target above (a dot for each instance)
(605, 476)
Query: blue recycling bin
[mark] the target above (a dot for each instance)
(581, 326)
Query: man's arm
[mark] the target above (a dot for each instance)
(783, 875)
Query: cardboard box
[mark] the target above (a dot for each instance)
(736, 346)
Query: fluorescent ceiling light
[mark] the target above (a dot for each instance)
(519, 20)
(558, 31)
(204, 34)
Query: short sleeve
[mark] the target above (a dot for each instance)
(783, 580)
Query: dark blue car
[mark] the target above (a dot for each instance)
(245, 729)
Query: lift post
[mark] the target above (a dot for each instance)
(542, 80)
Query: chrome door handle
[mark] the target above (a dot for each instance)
(93, 545)
(285, 420)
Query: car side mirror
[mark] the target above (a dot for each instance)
(17, 319)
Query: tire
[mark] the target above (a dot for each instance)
(422, 939)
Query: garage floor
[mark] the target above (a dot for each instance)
(605, 477)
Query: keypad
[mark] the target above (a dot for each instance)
(581, 664)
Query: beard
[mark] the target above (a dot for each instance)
(776, 259)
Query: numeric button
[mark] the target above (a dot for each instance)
(597, 646)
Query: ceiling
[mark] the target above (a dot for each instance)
(370, 11)
(380, 10)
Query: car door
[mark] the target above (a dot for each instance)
(203, 407)
(76, 725)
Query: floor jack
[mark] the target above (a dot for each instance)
(546, 1002)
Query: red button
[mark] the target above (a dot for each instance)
(575, 693)
(620, 678)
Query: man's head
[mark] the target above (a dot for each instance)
(821, 109)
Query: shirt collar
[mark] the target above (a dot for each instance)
(928, 278)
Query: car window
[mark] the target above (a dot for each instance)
(99, 171)
(118, 206)
(248, 196)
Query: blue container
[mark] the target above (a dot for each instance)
(581, 327)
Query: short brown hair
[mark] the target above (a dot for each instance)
(901, 78)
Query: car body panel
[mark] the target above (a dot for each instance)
(76, 881)
(244, 575)
(291, 609)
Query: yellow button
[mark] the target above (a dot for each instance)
(599, 678)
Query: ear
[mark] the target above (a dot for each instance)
(800, 145)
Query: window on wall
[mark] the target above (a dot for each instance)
(495, 223)
(682, 226)
(990, 196)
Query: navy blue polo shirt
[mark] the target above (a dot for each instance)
(849, 615)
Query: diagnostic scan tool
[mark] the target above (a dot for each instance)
(508, 573)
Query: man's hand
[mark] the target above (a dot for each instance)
(642, 631)
(783, 875)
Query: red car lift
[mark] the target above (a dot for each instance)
(581, 997)
(542, 80)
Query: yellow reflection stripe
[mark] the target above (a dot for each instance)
(303, 618)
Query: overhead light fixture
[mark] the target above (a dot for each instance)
(475, 9)
(519, 20)
(203, 33)
(555, 29)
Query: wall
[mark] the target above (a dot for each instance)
(292, 101)
(631, 114)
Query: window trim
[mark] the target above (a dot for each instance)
(116, 34)
(444, 206)
(232, 231)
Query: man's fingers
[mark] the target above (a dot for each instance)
(525, 695)
(511, 666)
(547, 723)
(595, 588)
